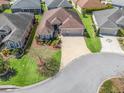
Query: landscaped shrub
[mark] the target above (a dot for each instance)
(108, 6)
(50, 68)
(120, 33)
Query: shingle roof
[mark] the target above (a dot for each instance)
(89, 3)
(68, 19)
(118, 2)
(107, 18)
(26, 4)
(17, 22)
(120, 21)
(57, 3)
(4, 2)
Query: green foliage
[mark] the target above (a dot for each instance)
(93, 44)
(108, 87)
(120, 33)
(109, 6)
(51, 66)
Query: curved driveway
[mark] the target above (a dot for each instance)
(83, 75)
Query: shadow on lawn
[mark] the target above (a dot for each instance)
(10, 73)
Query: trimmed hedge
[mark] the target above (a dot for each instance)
(108, 6)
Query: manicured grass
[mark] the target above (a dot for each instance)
(93, 44)
(27, 70)
(8, 11)
(108, 87)
(92, 41)
(27, 74)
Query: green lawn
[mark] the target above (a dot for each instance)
(94, 44)
(27, 74)
(9, 11)
(44, 7)
(92, 41)
(27, 70)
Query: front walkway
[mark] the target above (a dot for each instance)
(111, 44)
(72, 47)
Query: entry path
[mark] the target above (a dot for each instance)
(73, 47)
(83, 75)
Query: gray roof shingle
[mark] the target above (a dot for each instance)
(118, 2)
(17, 22)
(107, 18)
(26, 4)
(57, 3)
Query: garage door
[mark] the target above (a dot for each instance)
(108, 31)
(72, 32)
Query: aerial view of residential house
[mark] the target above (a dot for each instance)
(33, 6)
(51, 4)
(59, 21)
(118, 3)
(109, 21)
(4, 4)
(87, 4)
(14, 30)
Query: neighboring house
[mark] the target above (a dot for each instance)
(59, 21)
(109, 21)
(15, 30)
(87, 4)
(4, 4)
(32, 6)
(117, 3)
(51, 4)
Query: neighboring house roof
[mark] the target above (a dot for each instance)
(4, 2)
(18, 23)
(57, 3)
(67, 18)
(110, 18)
(89, 3)
(26, 4)
(118, 2)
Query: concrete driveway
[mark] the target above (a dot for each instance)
(72, 47)
(83, 75)
(111, 44)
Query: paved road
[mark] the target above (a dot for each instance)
(110, 44)
(83, 75)
(72, 47)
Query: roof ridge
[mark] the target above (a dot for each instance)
(60, 3)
